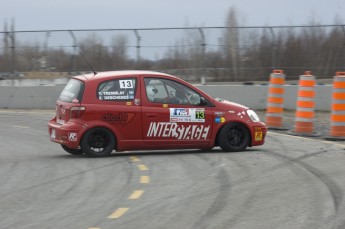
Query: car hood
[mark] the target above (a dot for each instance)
(231, 105)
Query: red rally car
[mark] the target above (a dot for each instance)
(143, 110)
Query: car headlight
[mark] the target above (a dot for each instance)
(253, 116)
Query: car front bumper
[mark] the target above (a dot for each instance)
(259, 131)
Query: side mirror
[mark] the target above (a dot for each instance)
(203, 101)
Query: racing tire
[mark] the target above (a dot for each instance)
(98, 142)
(72, 151)
(233, 137)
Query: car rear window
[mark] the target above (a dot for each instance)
(73, 92)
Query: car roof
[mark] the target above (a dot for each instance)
(123, 73)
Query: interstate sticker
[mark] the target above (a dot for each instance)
(174, 130)
(187, 115)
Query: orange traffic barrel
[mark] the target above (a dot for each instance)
(304, 116)
(337, 129)
(275, 100)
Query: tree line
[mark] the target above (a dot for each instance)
(241, 53)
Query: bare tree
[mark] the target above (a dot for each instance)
(119, 56)
(230, 39)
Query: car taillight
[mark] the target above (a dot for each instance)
(77, 112)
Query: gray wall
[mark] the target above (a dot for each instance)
(254, 96)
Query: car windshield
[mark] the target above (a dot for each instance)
(73, 92)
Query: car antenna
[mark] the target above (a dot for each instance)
(87, 62)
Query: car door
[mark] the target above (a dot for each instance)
(172, 117)
(119, 106)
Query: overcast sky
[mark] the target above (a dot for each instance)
(77, 14)
(104, 14)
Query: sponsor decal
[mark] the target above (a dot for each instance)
(187, 115)
(219, 119)
(218, 113)
(121, 118)
(174, 130)
(53, 134)
(258, 136)
(72, 137)
(241, 114)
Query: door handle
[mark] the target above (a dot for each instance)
(151, 115)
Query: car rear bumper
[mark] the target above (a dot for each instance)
(67, 134)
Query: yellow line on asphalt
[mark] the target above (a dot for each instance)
(23, 127)
(142, 167)
(144, 179)
(136, 194)
(118, 213)
(134, 158)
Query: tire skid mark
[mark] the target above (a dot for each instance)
(57, 179)
(218, 204)
(136, 194)
(333, 188)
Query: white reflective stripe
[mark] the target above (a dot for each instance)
(338, 101)
(280, 76)
(306, 89)
(339, 79)
(306, 99)
(338, 90)
(338, 112)
(305, 109)
(304, 119)
(278, 115)
(276, 86)
(280, 105)
(309, 78)
(337, 123)
(275, 95)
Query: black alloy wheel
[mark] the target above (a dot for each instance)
(233, 137)
(98, 142)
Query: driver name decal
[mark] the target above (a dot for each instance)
(187, 115)
(174, 130)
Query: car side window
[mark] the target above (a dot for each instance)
(117, 90)
(171, 92)
(156, 91)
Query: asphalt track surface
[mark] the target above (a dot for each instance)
(290, 182)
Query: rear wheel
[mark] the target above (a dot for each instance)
(72, 151)
(98, 142)
(233, 137)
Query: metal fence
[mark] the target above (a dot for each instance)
(217, 53)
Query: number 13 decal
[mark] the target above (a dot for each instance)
(126, 84)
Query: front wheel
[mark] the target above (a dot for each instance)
(233, 137)
(98, 142)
